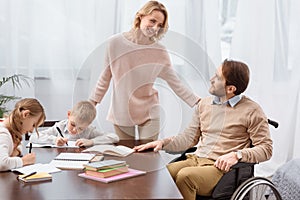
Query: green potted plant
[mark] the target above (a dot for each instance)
(16, 80)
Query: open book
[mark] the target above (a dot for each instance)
(38, 167)
(112, 150)
(72, 160)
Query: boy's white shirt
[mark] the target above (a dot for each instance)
(49, 135)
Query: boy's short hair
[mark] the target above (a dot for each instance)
(84, 112)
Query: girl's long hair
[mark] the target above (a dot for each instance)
(15, 118)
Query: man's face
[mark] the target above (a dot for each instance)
(217, 82)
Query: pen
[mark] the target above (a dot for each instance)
(26, 176)
(30, 147)
(61, 134)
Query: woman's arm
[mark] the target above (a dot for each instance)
(169, 75)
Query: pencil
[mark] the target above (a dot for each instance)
(26, 176)
(61, 133)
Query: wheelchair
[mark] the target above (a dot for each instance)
(239, 183)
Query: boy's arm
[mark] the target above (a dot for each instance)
(47, 136)
(99, 137)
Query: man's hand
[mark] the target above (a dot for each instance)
(156, 145)
(226, 161)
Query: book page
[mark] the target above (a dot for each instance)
(75, 156)
(67, 160)
(71, 144)
(125, 149)
(98, 148)
(120, 150)
(38, 167)
(69, 164)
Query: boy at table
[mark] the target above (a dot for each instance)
(77, 127)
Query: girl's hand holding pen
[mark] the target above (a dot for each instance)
(29, 159)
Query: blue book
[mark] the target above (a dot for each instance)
(105, 164)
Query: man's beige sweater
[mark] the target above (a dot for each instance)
(221, 129)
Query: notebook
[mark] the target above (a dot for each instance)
(40, 176)
(72, 160)
(71, 144)
(38, 167)
(131, 173)
(119, 150)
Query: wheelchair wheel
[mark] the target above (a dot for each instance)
(256, 188)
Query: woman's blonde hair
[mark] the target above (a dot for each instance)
(147, 9)
(15, 117)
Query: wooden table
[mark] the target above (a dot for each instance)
(156, 184)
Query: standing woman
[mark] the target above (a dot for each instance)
(27, 115)
(133, 61)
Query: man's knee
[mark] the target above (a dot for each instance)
(171, 171)
(185, 176)
(201, 182)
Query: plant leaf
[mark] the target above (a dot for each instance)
(16, 80)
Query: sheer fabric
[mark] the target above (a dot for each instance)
(266, 36)
(60, 44)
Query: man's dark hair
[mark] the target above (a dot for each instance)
(236, 73)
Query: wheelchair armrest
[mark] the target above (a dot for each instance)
(232, 179)
(190, 150)
(242, 164)
(183, 155)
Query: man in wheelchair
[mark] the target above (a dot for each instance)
(227, 127)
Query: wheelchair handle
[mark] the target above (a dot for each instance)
(273, 123)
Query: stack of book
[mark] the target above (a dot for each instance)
(106, 168)
(108, 171)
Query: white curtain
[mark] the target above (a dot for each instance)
(266, 36)
(60, 44)
(48, 41)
